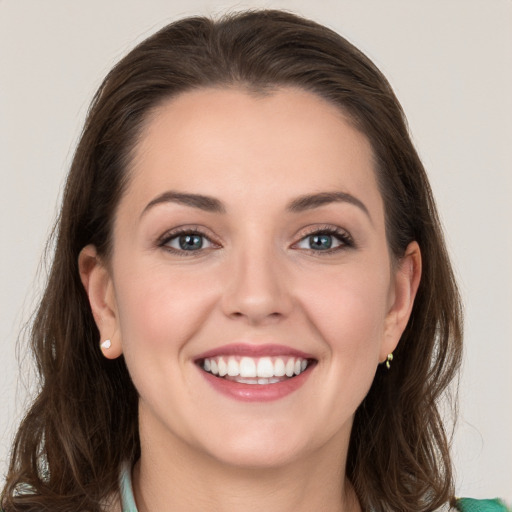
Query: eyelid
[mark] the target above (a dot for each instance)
(344, 237)
(341, 234)
(169, 235)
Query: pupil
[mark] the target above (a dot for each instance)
(321, 242)
(190, 242)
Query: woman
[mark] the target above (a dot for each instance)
(250, 305)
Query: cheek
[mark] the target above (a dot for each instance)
(349, 310)
(158, 308)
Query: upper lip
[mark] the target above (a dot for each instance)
(253, 350)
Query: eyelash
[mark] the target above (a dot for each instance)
(342, 236)
(165, 239)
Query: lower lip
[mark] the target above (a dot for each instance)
(257, 392)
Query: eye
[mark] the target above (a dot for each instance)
(190, 242)
(325, 240)
(186, 241)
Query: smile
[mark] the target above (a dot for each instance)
(255, 370)
(255, 373)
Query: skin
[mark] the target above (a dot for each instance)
(256, 280)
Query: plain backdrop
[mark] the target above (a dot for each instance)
(449, 62)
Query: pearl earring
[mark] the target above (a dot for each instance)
(388, 360)
(105, 345)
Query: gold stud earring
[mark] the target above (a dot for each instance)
(388, 360)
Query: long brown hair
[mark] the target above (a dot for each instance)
(83, 424)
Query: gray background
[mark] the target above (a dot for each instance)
(450, 64)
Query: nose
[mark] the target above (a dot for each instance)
(257, 288)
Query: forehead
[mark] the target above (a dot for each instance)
(236, 144)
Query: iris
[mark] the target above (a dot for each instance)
(320, 242)
(190, 242)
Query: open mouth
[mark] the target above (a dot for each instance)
(255, 370)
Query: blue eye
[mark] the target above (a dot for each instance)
(189, 242)
(320, 242)
(326, 241)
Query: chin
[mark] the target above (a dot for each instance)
(254, 458)
(260, 448)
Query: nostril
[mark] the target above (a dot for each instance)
(256, 315)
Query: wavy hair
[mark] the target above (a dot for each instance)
(83, 423)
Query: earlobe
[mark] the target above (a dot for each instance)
(406, 277)
(98, 285)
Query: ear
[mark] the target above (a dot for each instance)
(98, 285)
(406, 279)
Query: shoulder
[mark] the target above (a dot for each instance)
(472, 505)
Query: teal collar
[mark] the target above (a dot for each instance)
(463, 504)
(125, 482)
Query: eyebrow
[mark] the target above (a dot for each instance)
(311, 201)
(300, 204)
(206, 203)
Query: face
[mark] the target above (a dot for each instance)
(250, 287)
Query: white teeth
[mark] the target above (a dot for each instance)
(263, 370)
(223, 367)
(233, 369)
(247, 367)
(265, 367)
(279, 368)
(259, 380)
(247, 381)
(290, 367)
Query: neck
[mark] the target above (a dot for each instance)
(179, 478)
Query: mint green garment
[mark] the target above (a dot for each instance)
(463, 504)
(471, 505)
(127, 499)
